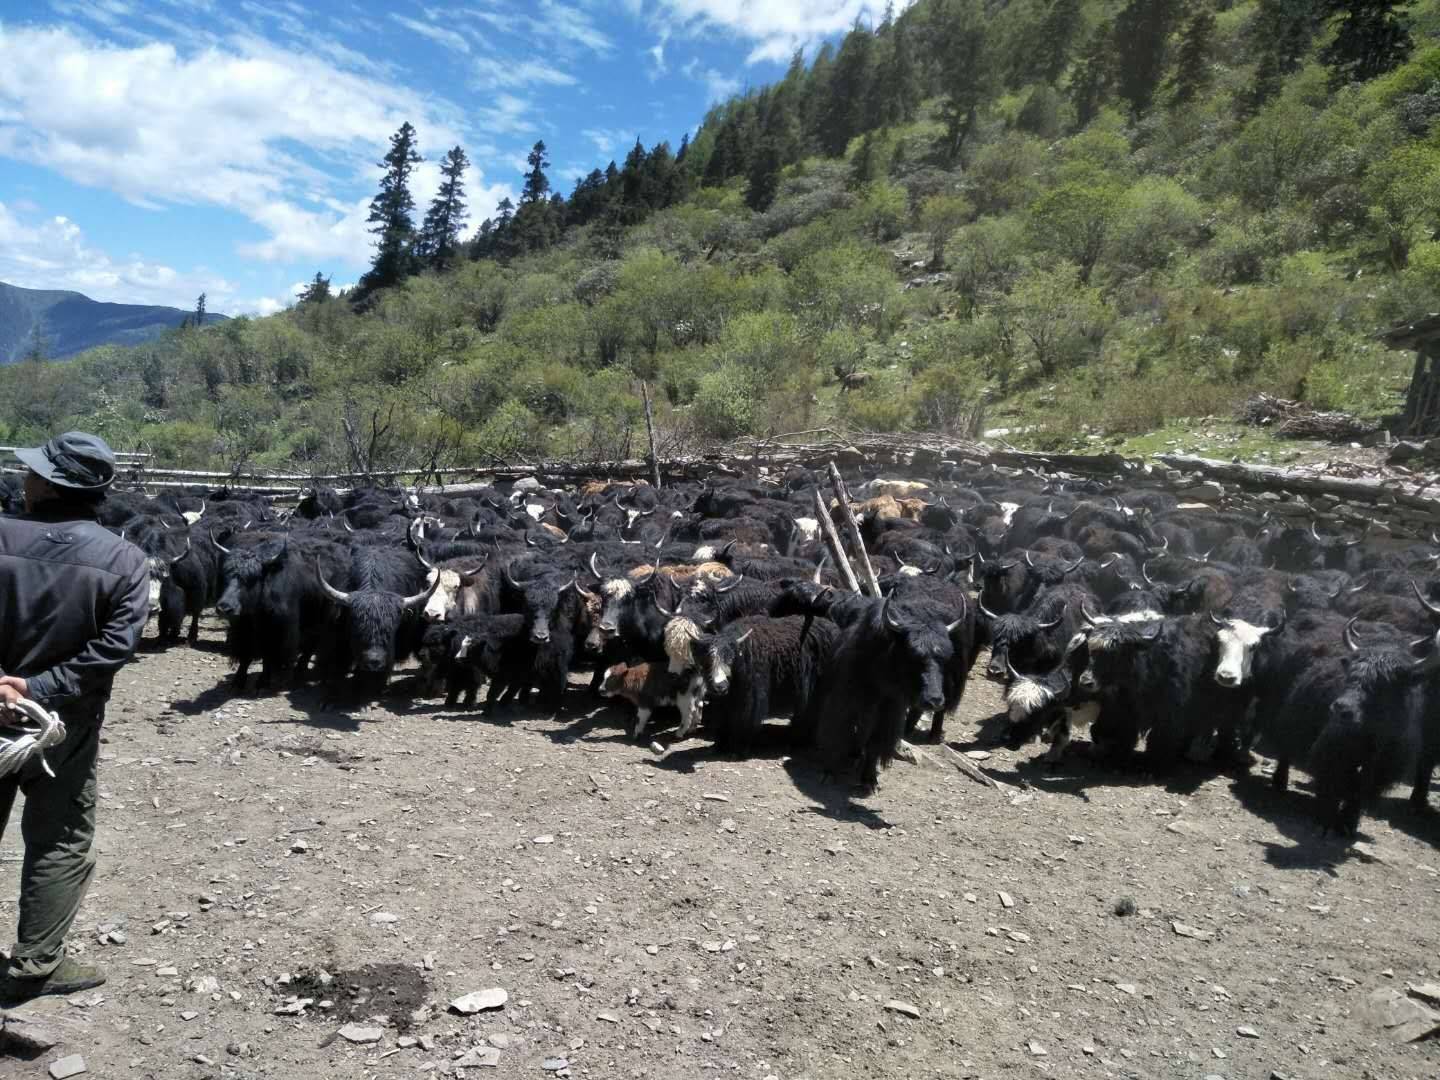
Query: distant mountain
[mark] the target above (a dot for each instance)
(70, 323)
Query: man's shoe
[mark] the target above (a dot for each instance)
(69, 978)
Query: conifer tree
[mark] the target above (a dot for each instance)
(390, 215)
(1280, 36)
(1371, 38)
(316, 290)
(1142, 33)
(844, 114)
(764, 176)
(440, 233)
(966, 72)
(1093, 77)
(1194, 56)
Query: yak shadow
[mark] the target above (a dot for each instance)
(213, 698)
(831, 797)
(1293, 813)
(771, 743)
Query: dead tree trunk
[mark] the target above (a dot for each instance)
(837, 549)
(650, 435)
(858, 541)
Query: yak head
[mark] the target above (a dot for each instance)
(1014, 636)
(716, 656)
(921, 651)
(540, 597)
(242, 572)
(1239, 640)
(375, 617)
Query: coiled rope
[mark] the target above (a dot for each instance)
(27, 730)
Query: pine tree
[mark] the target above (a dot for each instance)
(1193, 57)
(864, 166)
(1280, 36)
(966, 72)
(316, 291)
(390, 215)
(764, 177)
(199, 316)
(440, 234)
(844, 115)
(1056, 39)
(815, 96)
(1371, 38)
(537, 184)
(1142, 33)
(1093, 78)
(896, 95)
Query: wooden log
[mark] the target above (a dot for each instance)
(837, 550)
(1272, 478)
(858, 541)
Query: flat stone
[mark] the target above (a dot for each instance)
(1247, 1033)
(1429, 991)
(73, 1065)
(1186, 930)
(480, 1001)
(478, 1057)
(904, 1008)
(384, 918)
(357, 1033)
(1036, 1050)
(1006, 900)
(27, 1036)
(555, 1064)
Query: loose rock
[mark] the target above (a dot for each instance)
(355, 1033)
(480, 1001)
(73, 1065)
(904, 1008)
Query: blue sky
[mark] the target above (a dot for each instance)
(154, 149)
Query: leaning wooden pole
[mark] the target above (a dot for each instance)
(853, 529)
(650, 435)
(837, 549)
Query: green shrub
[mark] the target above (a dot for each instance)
(725, 403)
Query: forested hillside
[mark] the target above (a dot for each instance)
(1091, 215)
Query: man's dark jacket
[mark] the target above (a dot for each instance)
(74, 598)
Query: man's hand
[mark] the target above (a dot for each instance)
(13, 689)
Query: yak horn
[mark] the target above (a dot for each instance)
(182, 554)
(422, 598)
(342, 598)
(1433, 609)
(1351, 642)
(1052, 625)
(219, 546)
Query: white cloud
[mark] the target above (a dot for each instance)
(718, 85)
(608, 140)
(447, 38)
(250, 127)
(52, 253)
(656, 53)
(566, 28)
(491, 73)
(778, 27)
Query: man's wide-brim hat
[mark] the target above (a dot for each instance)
(76, 460)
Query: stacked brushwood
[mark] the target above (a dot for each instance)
(1296, 420)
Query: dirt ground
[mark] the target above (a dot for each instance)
(690, 916)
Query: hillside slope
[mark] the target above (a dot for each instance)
(1035, 236)
(70, 322)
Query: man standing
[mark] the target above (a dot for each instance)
(73, 602)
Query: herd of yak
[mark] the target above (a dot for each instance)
(1131, 615)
